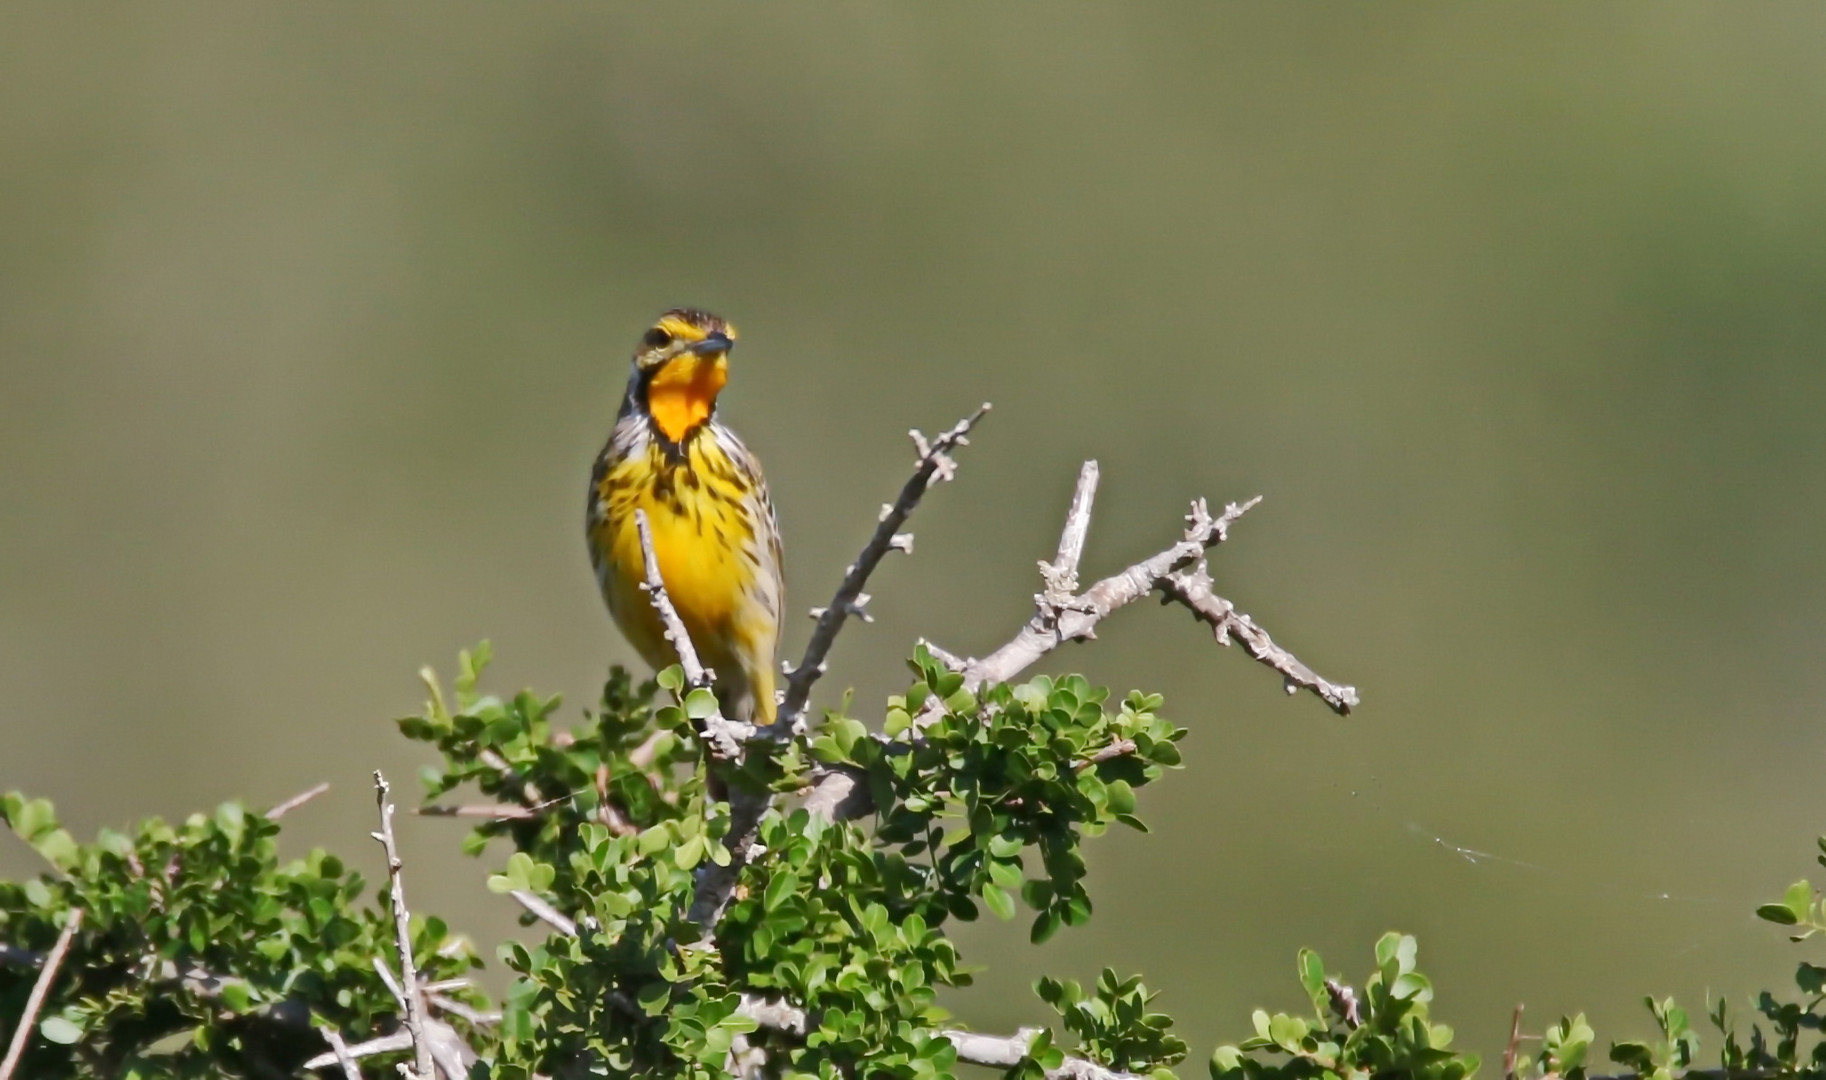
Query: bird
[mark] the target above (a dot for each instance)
(715, 535)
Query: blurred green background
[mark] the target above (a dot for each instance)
(313, 316)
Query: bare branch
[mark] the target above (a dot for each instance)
(996, 1051)
(1076, 620)
(529, 792)
(1515, 1039)
(1061, 575)
(1006, 1051)
(339, 1054)
(1178, 573)
(457, 1008)
(1119, 748)
(545, 913)
(1193, 589)
(389, 980)
(934, 463)
(491, 811)
(28, 1020)
(716, 884)
(452, 1054)
(386, 1044)
(496, 811)
(402, 930)
(296, 801)
(724, 737)
(947, 658)
(840, 793)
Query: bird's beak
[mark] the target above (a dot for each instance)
(712, 345)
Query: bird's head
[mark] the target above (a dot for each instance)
(680, 366)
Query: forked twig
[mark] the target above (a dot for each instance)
(402, 931)
(1062, 614)
(340, 1052)
(28, 1020)
(386, 1044)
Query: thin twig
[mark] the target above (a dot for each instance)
(340, 1052)
(28, 1020)
(386, 1044)
(457, 1008)
(545, 913)
(529, 792)
(402, 930)
(723, 736)
(296, 801)
(1119, 748)
(492, 811)
(934, 463)
(1515, 1038)
(390, 981)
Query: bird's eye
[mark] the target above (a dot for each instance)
(657, 339)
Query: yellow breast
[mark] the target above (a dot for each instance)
(703, 537)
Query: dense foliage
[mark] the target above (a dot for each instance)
(201, 954)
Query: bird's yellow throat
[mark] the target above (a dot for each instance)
(682, 394)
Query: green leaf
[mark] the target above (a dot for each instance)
(1312, 977)
(1780, 914)
(60, 1031)
(1045, 925)
(1798, 899)
(1287, 1031)
(700, 704)
(999, 901)
(235, 996)
(654, 997)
